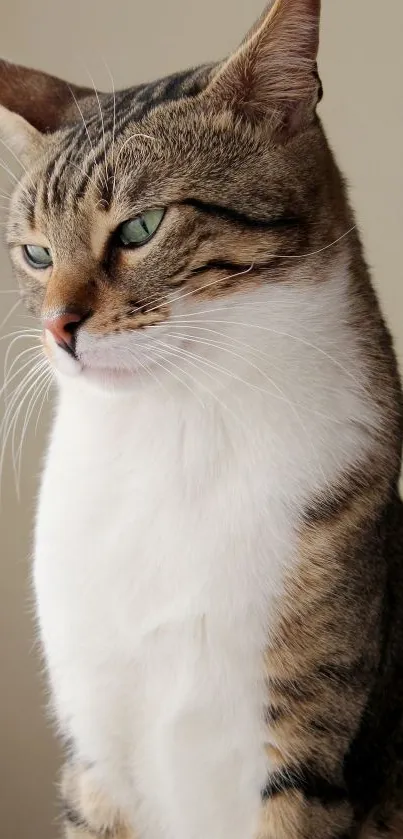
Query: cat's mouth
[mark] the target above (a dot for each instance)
(91, 366)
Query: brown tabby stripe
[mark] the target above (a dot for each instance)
(129, 105)
(304, 780)
(235, 216)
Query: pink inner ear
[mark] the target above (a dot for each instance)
(43, 100)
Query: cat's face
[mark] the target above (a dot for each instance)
(143, 206)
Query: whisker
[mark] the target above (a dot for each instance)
(114, 111)
(84, 174)
(18, 160)
(250, 348)
(82, 116)
(10, 314)
(103, 126)
(43, 379)
(9, 172)
(6, 370)
(20, 385)
(207, 285)
(17, 181)
(25, 332)
(255, 265)
(280, 393)
(173, 375)
(193, 363)
(45, 397)
(32, 387)
(149, 371)
(13, 410)
(132, 137)
(6, 384)
(227, 348)
(207, 362)
(284, 335)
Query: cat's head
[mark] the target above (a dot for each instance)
(136, 208)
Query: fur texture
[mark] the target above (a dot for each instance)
(218, 543)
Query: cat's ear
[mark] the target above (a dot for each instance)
(273, 75)
(32, 104)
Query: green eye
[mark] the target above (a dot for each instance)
(137, 231)
(37, 257)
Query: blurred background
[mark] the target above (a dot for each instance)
(361, 64)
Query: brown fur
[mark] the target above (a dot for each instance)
(88, 813)
(237, 156)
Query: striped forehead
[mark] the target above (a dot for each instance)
(80, 158)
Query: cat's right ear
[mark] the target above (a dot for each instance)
(33, 104)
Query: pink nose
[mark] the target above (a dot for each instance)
(63, 328)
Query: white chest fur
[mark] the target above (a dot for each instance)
(165, 530)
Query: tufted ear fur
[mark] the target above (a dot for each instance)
(273, 75)
(33, 103)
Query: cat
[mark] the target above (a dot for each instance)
(218, 550)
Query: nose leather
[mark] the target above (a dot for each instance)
(63, 327)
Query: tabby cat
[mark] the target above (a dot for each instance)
(218, 561)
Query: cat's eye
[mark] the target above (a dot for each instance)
(137, 231)
(37, 256)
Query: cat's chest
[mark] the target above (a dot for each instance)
(140, 527)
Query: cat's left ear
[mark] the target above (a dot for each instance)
(32, 104)
(273, 75)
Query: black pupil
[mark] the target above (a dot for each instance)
(144, 225)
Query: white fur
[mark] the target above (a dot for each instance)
(167, 525)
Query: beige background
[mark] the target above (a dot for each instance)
(362, 67)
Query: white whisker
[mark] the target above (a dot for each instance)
(10, 314)
(114, 113)
(45, 397)
(13, 409)
(18, 160)
(82, 116)
(25, 332)
(17, 180)
(132, 137)
(174, 376)
(8, 370)
(279, 395)
(193, 363)
(103, 126)
(33, 384)
(84, 174)
(260, 354)
(149, 371)
(281, 334)
(208, 285)
(42, 382)
(226, 347)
